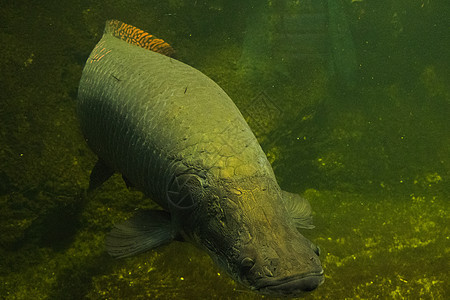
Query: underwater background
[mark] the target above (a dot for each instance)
(350, 100)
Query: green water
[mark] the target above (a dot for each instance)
(373, 157)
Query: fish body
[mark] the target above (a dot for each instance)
(176, 135)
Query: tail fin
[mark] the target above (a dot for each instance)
(138, 37)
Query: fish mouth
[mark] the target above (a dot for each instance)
(290, 285)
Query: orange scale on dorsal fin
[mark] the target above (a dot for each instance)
(138, 37)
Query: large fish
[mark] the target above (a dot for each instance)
(175, 134)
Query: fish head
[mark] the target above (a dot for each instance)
(280, 267)
(248, 232)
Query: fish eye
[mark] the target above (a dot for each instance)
(246, 264)
(316, 250)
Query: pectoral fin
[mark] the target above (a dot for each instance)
(142, 232)
(128, 183)
(100, 173)
(299, 209)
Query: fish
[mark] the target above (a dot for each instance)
(174, 134)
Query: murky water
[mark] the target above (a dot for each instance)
(349, 99)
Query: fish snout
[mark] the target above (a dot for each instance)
(283, 277)
(250, 272)
(290, 286)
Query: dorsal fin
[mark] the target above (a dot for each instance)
(138, 37)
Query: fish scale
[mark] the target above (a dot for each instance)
(118, 115)
(175, 134)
